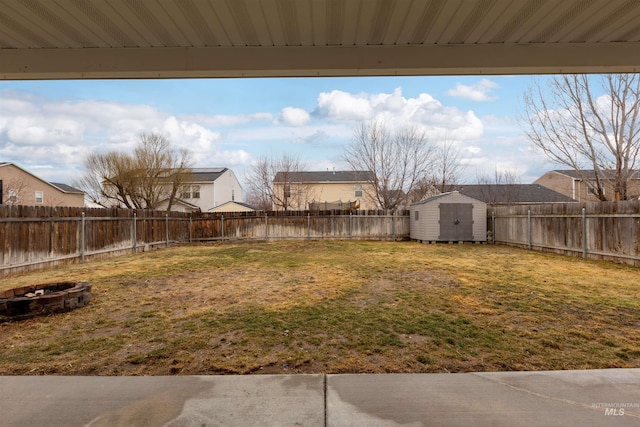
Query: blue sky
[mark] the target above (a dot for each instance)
(48, 127)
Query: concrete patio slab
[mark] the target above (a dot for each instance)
(258, 400)
(608, 397)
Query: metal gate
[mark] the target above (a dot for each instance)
(456, 221)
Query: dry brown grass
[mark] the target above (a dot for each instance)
(332, 307)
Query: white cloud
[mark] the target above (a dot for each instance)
(295, 116)
(341, 105)
(476, 92)
(424, 112)
(55, 137)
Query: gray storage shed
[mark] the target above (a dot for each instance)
(449, 217)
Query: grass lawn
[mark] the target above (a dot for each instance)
(334, 307)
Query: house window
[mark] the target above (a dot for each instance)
(13, 197)
(287, 191)
(417, 216)
(358, 190)
(190, 192)
(186, 192)
(39, 197)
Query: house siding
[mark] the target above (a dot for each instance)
(304, 193)
(26, 185)
(578, 190)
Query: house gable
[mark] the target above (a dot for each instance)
(24, 188)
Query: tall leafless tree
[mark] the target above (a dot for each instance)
(577, 126)
(447, 164)
(398, 158)
(153, 173)
(263, 193)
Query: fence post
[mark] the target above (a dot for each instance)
(82, 240)
(266, 227)
(166, 227)
(529, 227)
(134, 236)
(222, 226)
(393, 225)
(584, 233)
(308, 226)
(190, 227)
(350, 226)
(493, 226)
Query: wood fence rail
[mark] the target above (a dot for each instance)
(34, 236)
(596, 230)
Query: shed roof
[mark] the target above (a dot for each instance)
(442, 196)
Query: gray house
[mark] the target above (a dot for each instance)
(449, 217)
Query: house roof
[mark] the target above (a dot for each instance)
(234, 203)
(511, 193)
(207, 174)
(62, 187)
(590, 173)
(66, 188)
(324, 176)
(178, 201)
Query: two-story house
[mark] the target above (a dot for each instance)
(579, 184)
(20, 187)
(206, 189)
(319, 190)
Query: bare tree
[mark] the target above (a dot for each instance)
(398, 160)
(573, 126)
(501, 187)
(159, 170)
(153, 173)
(447, 167)
(272, 184)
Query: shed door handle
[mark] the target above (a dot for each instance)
(456, 222)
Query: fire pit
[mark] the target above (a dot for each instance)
(28, 301)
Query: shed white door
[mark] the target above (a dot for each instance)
(456, 221)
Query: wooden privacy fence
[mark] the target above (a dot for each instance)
(596, 230)
(32, 237)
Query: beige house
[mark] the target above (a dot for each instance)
(232, 206)
(20, 187)
(323, 190)
(577, 184)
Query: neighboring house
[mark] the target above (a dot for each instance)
(508, 194)
(333, 189)
(20, 187)
(211, 187)
(205, 189)
(232, 206)
(578, 184)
